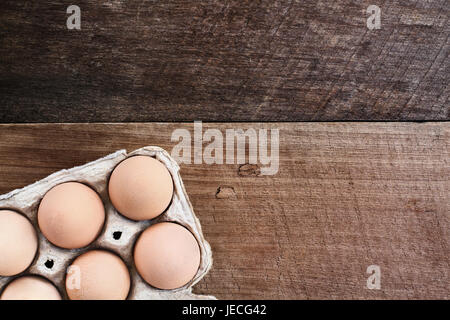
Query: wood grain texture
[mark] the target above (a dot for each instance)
(183, 60)
(347, 195)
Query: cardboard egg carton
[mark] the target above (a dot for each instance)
(118, 235)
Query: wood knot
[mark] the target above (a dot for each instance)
(225, 192)
(249, 170)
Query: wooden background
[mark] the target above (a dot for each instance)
(216, 60)
(347, 195)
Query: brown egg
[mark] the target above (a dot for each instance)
(30, 288)
(98, 275)
(140, 188)
(18, 243)
(71, 215)
(167, 255)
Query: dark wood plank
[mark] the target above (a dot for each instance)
(262, 60)
(347, 195)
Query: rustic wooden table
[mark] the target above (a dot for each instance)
(347, 195)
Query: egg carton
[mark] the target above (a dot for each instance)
(119, 233)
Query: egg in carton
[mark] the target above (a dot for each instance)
(51, 262)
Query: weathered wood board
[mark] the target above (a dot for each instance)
(347, 195)
(183, 60)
